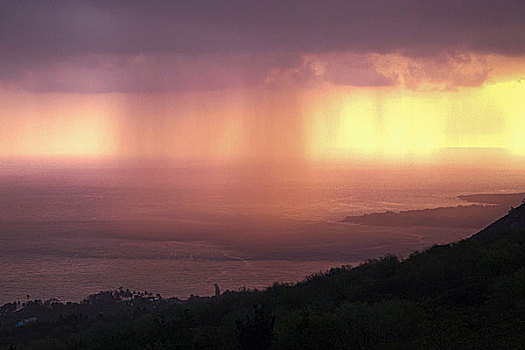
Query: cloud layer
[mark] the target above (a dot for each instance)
(60, 27)
(102, 46)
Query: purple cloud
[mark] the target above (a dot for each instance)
(61, 28)
(101, 46)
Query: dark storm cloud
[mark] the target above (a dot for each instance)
(142, 73)
(162, 45)
(35, 28)
(149, 73)
(353, 70)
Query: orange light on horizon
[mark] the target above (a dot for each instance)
(396, 123)
(38, 125)
(315, 123)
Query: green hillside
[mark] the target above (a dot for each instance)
(465, 295)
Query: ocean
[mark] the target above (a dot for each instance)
(69, 232)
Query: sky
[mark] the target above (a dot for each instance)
(262, 80)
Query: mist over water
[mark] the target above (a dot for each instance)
(69, 232)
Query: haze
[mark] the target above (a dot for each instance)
(244, 134)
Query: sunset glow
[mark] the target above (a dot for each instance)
(262, 174)
(395, 122)
(416, 117)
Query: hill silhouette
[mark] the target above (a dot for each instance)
(464, 295)
(514, 220)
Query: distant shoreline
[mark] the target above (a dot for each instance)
(474, 215)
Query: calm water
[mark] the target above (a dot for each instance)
(68, 233)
